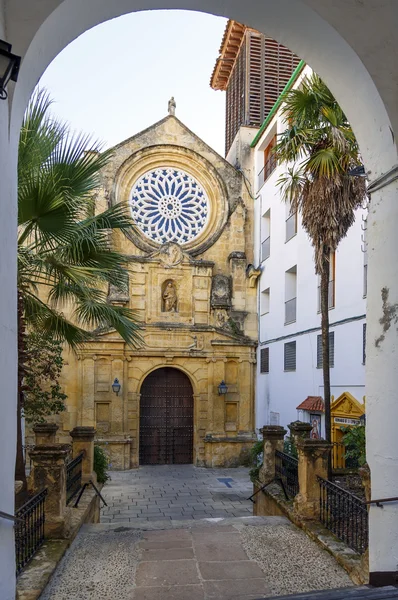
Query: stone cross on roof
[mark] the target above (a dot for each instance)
(172, 106)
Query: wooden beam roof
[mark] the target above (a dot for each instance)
(231, 43)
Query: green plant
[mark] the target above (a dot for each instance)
(289, 447)
(354, 440)
(256, 460)
(43, 364)
(100, 464)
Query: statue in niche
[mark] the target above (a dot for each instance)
(169, 297)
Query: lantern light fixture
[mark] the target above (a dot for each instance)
(116, 386)
(222, 388)
(9, 67)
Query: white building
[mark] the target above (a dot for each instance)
(289, 358)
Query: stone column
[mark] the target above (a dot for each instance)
(313, 462)
(45, 433)
(83, 441)
(273, 436)
(49, 471)
(299, 431)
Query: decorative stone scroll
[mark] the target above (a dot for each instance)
(221, 291)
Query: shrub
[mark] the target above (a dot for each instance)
(355, 442)
(256, 460)
(100, 464)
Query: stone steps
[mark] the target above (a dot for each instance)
(355, 593)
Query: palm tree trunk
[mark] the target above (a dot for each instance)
(325, 345)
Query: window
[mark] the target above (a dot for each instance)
(332, 280)
(290, 356)
(364, 343)
(266, 235)
(269, 162)
(264, 301)
(319, 357)
(291, 295)
(264, 360)
(291, 223)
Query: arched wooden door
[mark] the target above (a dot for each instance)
(166, 418)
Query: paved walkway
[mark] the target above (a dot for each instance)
(162, 539)
(181, 492)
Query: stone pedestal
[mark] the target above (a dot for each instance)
(83, 441)
(45, 433)
(299, 431)
(49, 471)
(273, 436)
(313, 462)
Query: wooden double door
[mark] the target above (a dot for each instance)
(166, 418)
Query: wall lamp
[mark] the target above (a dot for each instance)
(116, 386)
(222, 388)
(9, 67)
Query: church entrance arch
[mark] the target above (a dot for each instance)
(166, 418)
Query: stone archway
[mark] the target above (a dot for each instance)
(166, 418)
(353, 47)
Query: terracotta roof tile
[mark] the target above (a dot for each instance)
(312, 403)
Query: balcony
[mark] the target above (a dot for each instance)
(331, 295)
(290, 311)
(291, 226)
(266, 171)
(265, 248)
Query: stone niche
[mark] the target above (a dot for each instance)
(221, 291)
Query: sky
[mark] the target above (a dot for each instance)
(116, 79)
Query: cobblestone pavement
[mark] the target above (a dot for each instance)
(239, 558)
(154, 493)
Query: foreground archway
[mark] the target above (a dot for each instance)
(166, 418)
(326, 36)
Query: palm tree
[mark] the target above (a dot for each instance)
(66, 261)
(320, 149)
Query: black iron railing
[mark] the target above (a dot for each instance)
(343, 514)
(267, 169)
(73, 477)
(286, 469)
(29, 529)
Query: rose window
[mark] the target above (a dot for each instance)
(168, 205)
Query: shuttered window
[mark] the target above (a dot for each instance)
(319, 357)
(364, 343)
(264, 360)
(290, 356)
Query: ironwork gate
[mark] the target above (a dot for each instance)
(166, 418)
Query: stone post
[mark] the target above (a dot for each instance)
(299, 430)
(83, 441)
(273, 436)
(49, 471)
(313, 462)
(45, 433)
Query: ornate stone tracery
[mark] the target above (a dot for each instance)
(169, 205)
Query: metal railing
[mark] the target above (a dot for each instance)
(343, 514)
(290, 310)
(286, 469)
(291, 226)
(73, 477)
(29, 529)
(331, 295)
(266, 171)
(265, 248)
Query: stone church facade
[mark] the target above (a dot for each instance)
(193, 286)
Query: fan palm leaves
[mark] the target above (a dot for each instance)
(319, 148)
(65, 255)
(66, 259)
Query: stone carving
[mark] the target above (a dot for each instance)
(253, 275)
(171, 108)
(119, 296)
(221, 318)
(169, 296)
(221, 291)
(170, 254)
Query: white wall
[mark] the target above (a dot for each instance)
(278, 391)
